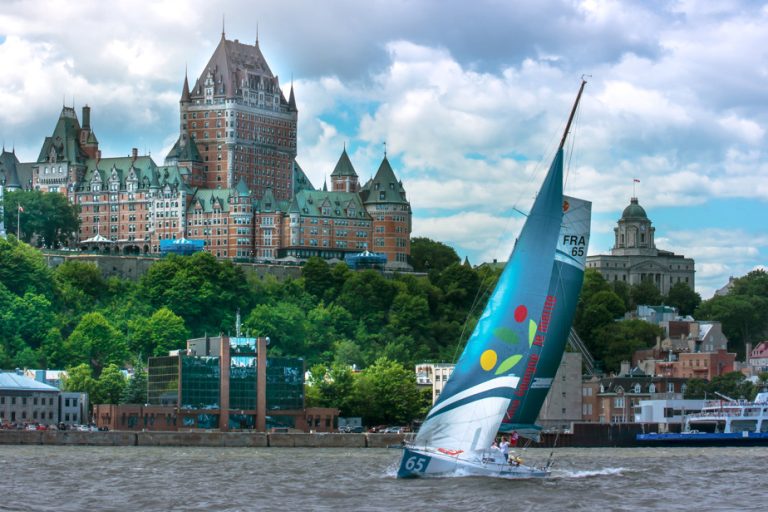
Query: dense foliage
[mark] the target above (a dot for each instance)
(45, 219)
(743, 311)
(72, 317)
(600, 316)
(334, 318)
(732, 385)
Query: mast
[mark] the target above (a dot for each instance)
(573, 112)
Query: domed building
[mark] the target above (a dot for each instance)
(635, 258)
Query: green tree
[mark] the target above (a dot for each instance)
(318, 279)
(367, 295)
(618, 341)
(429, 255)
(460, 284)
(733, 385)
(80, 379)
(156, 336)
(331, 387)
(23, 269)
(347, 352)
(28, 317)
(386, 392)
(135, 391)
(27, 358)
(324, 326)
(284, 324)
(110, 386)
(743, 317)
(82, 276)
(205, 292)
(48, 218)
(755, 283)
(621, 289)
(683, 298)
(644, 293)
(94, 341)
(601, 309)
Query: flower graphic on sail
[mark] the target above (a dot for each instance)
(489, 358)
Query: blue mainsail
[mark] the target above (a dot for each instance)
(496, 365)
(564, 288)
(497, 368)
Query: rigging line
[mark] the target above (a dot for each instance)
(571, 146)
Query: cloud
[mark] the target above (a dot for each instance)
(471, 98)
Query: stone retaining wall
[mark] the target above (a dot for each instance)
(211, 439)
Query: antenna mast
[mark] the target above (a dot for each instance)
(573, 112)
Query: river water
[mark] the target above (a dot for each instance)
(63, 478)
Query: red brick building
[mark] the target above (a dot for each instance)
(698, 365)
(231, 179)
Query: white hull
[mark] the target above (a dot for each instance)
(419, 462)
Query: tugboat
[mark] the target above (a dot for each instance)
(724, 422)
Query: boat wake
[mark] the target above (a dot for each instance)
(564, 473)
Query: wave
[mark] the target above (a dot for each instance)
(564, 473)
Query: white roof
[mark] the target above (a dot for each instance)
(98, 239)
(14, 381)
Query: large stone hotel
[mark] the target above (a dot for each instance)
(231, 179)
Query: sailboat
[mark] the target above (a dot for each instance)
(509, 360)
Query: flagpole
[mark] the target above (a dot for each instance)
(18, 222)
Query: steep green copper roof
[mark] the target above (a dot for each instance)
(344, 166)
(310, 203)
(8, 170)
(208, 197)
(633, 211)
(143, 168)
(384, 187)
(300, 179)
(241, 189)
(146, 172)
(65, 141)
(184, 153)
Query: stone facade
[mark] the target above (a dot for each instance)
(24, 400)
(634, 257)
(563, 404)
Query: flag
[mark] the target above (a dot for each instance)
(21, 209)
(636, 180)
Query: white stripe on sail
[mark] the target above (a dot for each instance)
(471, 426)
(508, 381)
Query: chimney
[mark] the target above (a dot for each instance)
(624, 368)
(134, 154)
(86, 117)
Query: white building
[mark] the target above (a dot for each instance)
(434, 375)
(665, 412)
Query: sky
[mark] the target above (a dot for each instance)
(471, 99)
